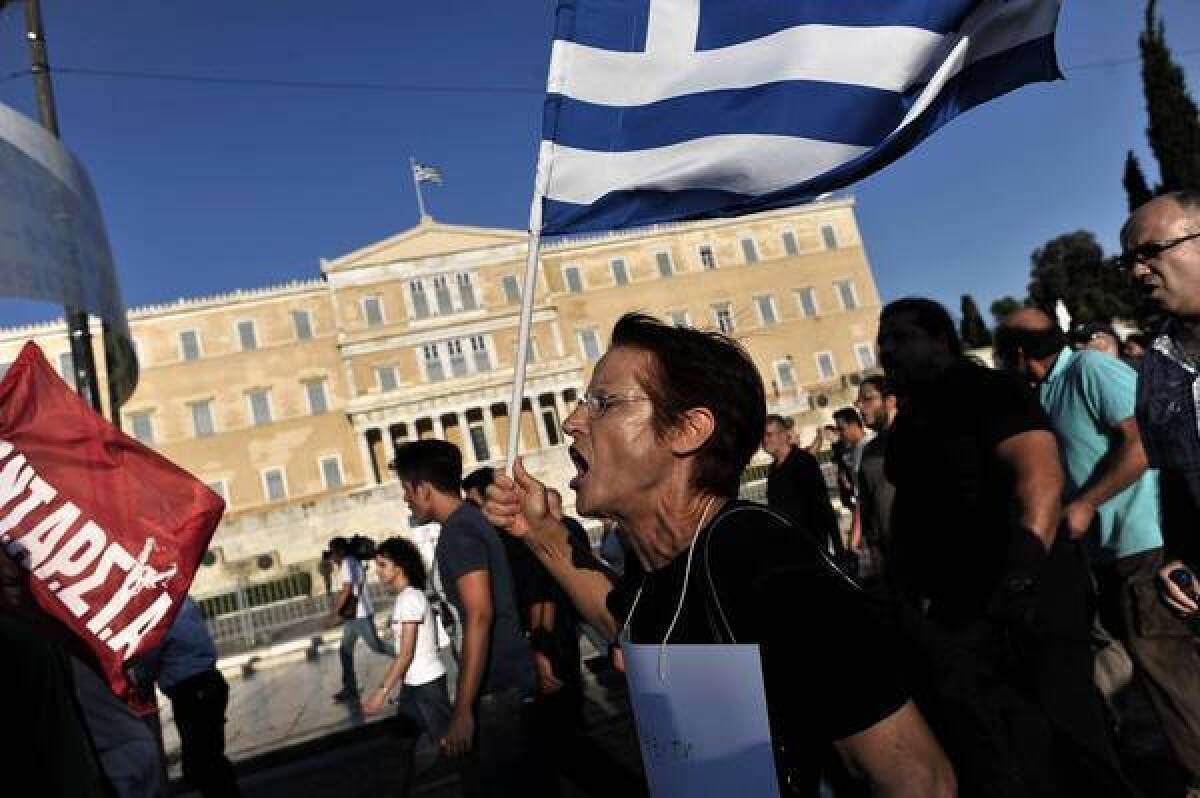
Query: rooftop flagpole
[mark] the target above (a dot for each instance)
(412, 167)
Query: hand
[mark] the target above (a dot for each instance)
(1078, 517)
(1176, 599)
(548, 682)
(460, 734)
(518, 503)
(330, 621)
(374, 704)
(618, 659)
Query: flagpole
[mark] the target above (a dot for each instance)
(412, 167)
(527, 294)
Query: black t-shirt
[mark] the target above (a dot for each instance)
(954, 509)
(468, 543)
(825, 656)
(796, 490)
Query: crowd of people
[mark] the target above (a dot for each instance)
(1009, 527)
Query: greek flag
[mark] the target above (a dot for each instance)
(426, 174)
(659, 110)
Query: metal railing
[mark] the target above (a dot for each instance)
(250, 626)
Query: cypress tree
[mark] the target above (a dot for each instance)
(1136, 188)
(1174, 130)
(973, 328)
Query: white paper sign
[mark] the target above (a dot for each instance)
(703, 730)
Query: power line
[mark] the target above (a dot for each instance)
(180, 77)
(317, 85)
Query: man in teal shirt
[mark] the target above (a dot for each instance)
(1111, 502)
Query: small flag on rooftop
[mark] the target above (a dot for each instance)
(426, 174)
(659, 110)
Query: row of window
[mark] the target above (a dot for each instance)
(785, 374)
(258, 403)
(191, 343)
(275, 484)
(573, 276)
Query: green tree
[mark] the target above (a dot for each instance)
(1136, 188)
(1174, 129)
(1003, 306)
(973, 328)
(1072, 268)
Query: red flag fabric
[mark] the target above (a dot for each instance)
(110, 531)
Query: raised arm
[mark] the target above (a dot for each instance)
(522, 509)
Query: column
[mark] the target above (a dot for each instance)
(364, 451)
(464, 431)
(439, 429)
(389, 447)
(489, 432)
(535, 407)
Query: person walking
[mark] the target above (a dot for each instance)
(417, 673)
(353, 609)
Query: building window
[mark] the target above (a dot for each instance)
(202, 418)
(479, 353)
(723, 314)
(766, 310)
(708, 260)
(441, 290)
(619, 272)
(466, 292)
(260, 405)
(318, 400)
(302, 322)
(331, 472)
(590, 344)
(665, 267)
(433, 363)
(749, 250)
(141, 427)
(458, 363)
(372, 307)
(789, 243)
(866, 356)
(785, 374)
(386, 376)
(247, 335)
(66, 367)
(829, 236)
(512, 291)
(552, 426)
(573, 279)
(274, 484)
(679, 318)
(479, 443)
(847, 294)
(189, 345)
(806, 302)
(826, 369)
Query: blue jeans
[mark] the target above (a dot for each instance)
(351, 631)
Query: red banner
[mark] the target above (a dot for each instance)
(111, 532)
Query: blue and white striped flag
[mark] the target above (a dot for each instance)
(674, 109)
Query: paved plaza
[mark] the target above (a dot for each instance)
(287, 737)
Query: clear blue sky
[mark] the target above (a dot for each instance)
(208, 187)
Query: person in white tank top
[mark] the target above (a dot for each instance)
(418, 672)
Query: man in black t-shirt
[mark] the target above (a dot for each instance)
(975, 527)
(796, 487)
(489, 727)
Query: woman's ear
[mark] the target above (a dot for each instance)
(693, 431)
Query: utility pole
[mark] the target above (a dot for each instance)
(78, 330)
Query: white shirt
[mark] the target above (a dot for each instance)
(352, 574)
(413, 607)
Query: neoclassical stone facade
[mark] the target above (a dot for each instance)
(289, 401)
